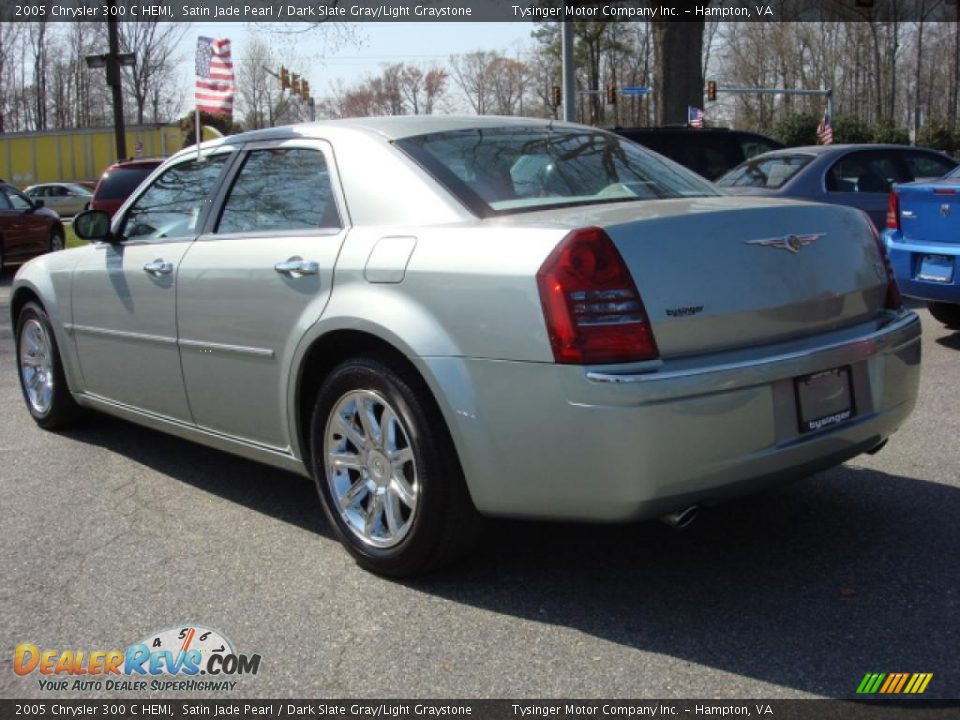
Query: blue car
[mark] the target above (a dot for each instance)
(923, 240)
(859, 176)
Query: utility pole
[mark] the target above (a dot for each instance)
(569, 79)
(113, 61)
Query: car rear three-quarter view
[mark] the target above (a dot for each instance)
(923, 237)
(440, 319)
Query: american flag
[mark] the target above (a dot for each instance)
(214, 76)
(825, 130)
(695, 116)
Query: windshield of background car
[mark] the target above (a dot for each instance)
(772, 172)
(502, 170)
(119, 183)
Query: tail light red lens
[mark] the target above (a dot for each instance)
(893, 211)
(893, 301)
(593, 312)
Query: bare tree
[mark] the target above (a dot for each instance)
(154, 45)
(470, 73)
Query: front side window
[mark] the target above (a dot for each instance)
(771, 172)
(174, 204)
(509, 169)
(281, 189)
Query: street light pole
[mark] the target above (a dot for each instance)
(112, 61)
(113, 80)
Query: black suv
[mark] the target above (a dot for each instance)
(707, 151)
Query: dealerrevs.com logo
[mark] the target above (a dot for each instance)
(187, 658)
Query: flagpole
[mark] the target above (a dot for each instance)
(196, 117)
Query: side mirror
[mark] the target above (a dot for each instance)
(93, 225)
(37, 202)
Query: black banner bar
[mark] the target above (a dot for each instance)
(477, 10)
(44, 709)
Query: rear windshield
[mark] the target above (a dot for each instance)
(502, 170)
(119, 183)
(773, 172)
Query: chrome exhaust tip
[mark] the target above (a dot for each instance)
(681, 518)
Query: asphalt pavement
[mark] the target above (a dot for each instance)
(111, 532)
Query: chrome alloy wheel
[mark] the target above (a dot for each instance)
(36, 366)
(370, 468)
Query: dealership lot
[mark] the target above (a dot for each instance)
(112, 532)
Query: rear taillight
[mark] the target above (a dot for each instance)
(893, 211)
(893, 299)
(593, 311)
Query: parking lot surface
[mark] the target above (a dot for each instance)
(111, 532)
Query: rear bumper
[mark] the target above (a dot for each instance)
(563, 442)
(905, 258)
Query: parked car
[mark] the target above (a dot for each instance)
(709, 152)
(860, 176)
(923, 238)
(25, 229)
(403, 309)
(118, 181)
(65, 198)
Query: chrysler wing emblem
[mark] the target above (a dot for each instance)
(944, 210)
(791, 243)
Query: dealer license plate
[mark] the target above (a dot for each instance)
(824, 399)
(936, 268)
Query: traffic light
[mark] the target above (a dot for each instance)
(294, 83)
(711, 90)
(557, 96)
(611, 94)
(305, 89)
(284, 78)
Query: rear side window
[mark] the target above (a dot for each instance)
(281, 189)
(927, 167)
(174, 203)
(119, 183)
(772, 172)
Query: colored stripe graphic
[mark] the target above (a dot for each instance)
(894, 683)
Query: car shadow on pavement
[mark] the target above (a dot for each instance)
(809, 586)
(277, 493)
(950, 341)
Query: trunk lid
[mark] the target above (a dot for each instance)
(930, 212)
(719, 273)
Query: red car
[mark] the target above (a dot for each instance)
(119, 181)
(25, 230)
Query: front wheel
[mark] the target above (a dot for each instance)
(386, 470)
(42, 379)
(947, 313)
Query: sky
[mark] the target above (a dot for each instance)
(358, 50)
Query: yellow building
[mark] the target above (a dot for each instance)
(66, 155)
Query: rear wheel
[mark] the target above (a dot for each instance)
(947, 313)
(42, 380)
(387, 472)
(56, 240)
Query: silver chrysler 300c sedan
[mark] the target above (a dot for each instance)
(440, 319)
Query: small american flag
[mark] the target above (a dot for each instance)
(214, 76)
(825, 130)
(695, 116)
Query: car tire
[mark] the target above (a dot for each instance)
(40, 371)
(56, 240)
(387, 472)
(947, 313)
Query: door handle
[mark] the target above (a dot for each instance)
(159, 267)
(297, 266)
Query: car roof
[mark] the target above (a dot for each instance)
(396, 127)
(842, 148)
(139, 162)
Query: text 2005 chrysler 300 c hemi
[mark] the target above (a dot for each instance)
(440, 319)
